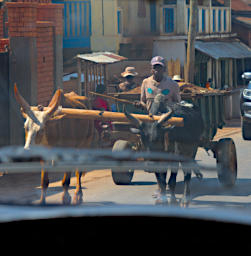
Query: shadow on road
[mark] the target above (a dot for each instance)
(143, 183)
(25, 188)
(209, 192)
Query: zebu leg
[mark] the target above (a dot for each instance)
(66, 198)
(172, 185)
(187, 192)
(173, 148)
(161, 180)
(188, 151)
(78, 198)
(44, 185)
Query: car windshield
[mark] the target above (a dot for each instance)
(132, 103)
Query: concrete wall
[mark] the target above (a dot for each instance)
(170, 49)
(104, 26)
(133, 22)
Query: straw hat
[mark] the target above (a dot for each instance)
(129, 71)
(177, 78)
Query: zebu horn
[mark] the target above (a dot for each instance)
(54, 98)
(54, 103)
(165, 116)
(26, 110)
(135, 121)
(22, 102)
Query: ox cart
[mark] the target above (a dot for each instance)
(211, 104)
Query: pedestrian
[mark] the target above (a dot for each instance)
(158, 83)
(129, 74)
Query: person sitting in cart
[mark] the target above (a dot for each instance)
(129, 75)
(158, 83)
(100, 103)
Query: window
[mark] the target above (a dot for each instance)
(153, 16)
(219, 20)
(168, 20)
(203, 20)
(119, 21)
(141, 8)
(214, 25)
(225, 20)
(169, 2)
(188, 18)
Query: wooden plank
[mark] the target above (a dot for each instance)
(111, 116)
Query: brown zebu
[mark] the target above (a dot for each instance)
(41, 128)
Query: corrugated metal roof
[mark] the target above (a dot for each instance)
(224, 50)
(102, 57)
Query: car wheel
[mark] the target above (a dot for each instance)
(246, 130)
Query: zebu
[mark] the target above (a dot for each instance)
(42, 129)
(180, 140)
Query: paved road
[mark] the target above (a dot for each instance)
(99, 188)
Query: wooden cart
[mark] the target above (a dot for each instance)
(212, 109)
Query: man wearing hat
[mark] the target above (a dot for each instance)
(129, 75)
(158, 83)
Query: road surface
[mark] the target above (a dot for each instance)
(99, 189)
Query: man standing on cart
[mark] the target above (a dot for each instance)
(158, 83)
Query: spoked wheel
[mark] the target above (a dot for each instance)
(226, 162)
(119, 177)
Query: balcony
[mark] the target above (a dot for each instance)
(210, 20)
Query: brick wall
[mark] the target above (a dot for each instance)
(42, 20)
(22, 19)
(1, 22)
(53, 13)
(45, 62)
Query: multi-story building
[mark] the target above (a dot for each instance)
(139, 29)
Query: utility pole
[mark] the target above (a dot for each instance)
(189, 72)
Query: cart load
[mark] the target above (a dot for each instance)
(184, 88)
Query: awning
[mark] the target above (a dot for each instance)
(224, 50)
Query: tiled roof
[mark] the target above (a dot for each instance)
(239, 5)
(246, 20)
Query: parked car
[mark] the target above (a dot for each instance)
(245, 106)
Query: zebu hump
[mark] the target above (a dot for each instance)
(65, 132)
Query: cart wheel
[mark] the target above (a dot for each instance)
(122, 178)
(226, 162)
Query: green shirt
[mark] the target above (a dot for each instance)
(150, 88)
